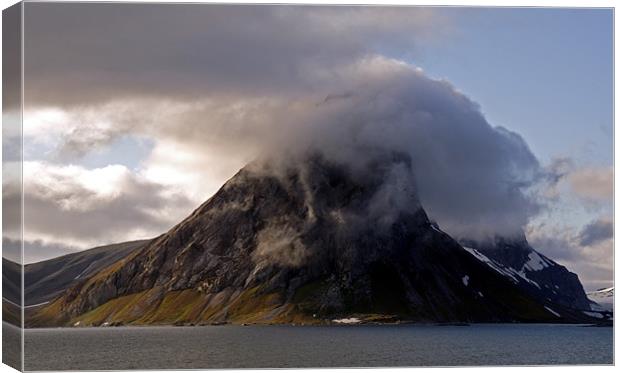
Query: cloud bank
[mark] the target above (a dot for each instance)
(92, 53)
(597, 231)
(472, 178)
(214, 87)
(70, 207)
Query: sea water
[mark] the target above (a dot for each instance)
(229, 346)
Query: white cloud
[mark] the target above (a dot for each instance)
(593, 183)
(196, 174)
(72, 206)
(46, 124)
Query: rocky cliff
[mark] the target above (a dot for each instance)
(305, 242)
(537, 273)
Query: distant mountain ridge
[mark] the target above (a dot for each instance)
(527, 267)
(49, 279)
(312, 243)
(603, 299)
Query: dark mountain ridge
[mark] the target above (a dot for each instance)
(310, 242)
(551, 280)
(49, 279)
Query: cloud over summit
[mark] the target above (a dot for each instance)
(214, 87)
(472, 178)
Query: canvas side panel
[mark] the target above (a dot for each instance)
(12, 212)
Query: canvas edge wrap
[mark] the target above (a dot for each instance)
(12, 188)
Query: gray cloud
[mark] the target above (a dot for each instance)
(11, 249)
(63, 213)
(11, 60)
(34, 251)
(595, 232)
(558, 169)
(594, 184)
(471, 177)
(78, 53)
(226, 84)
(474, 179)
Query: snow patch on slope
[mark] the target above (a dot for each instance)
(552, 311)
(535, 262)
(350, 320)
(505, 271)
(602, 299)
(84, 270)
(437, 229)
(496, 266)
(524, 277)
(594, 314)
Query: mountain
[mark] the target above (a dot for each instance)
(11, 292)
(11, 281)
(603, 299)
(305, 242)
(532, 270)
(48, 279)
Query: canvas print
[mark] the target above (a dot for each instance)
(199, 186)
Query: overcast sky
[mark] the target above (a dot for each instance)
(135, 114)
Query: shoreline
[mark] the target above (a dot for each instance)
(318, 325)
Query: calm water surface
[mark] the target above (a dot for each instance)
(315, 346)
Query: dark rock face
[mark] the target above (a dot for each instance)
(319, 240)
(551, 280)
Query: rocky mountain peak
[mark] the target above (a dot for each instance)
(303, 240)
